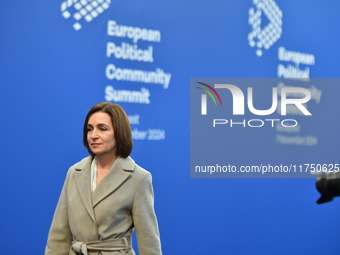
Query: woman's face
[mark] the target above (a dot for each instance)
(100, 134)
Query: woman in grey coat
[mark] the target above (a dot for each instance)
(106, 196)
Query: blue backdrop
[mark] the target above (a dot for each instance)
(59, 58)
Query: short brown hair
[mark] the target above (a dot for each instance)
(120, 123)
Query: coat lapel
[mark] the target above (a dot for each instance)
(83, 180)
(118, 174)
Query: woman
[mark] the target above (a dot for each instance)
(106, 195)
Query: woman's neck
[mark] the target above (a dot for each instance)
(105, 161)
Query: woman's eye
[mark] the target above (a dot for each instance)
(103, 129)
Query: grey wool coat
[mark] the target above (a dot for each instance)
(102, 222)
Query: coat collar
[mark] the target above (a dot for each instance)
(82, 176)
(119, 173)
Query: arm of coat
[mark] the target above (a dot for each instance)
(144, 218)
(60, 237)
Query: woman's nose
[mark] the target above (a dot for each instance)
(94, 134)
